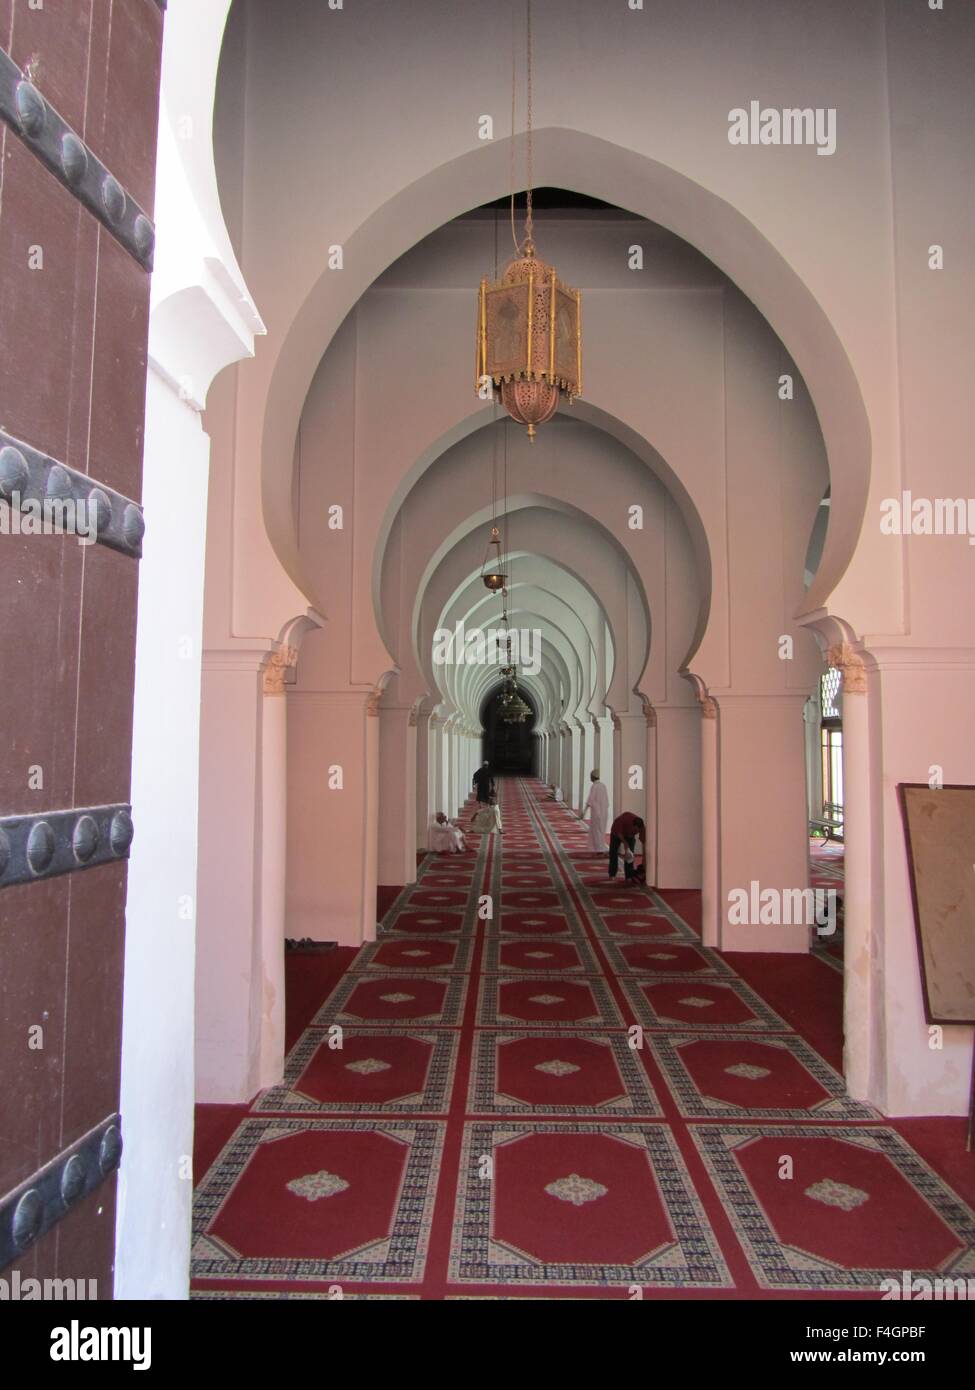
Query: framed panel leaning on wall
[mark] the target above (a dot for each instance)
(939, 826)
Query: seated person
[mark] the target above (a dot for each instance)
(445, 837)
(487, 819)
(438, 837)
(457, 841)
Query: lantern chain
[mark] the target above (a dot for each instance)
(529, 226)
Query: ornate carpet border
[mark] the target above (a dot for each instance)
(765, 1020)
(434, 1098)
(408, 1241)
(693, 1262)
(484, 1100)
(693, 1104)
(488, 1014)
(777, 1266)
(449, 1015)
(365, 962)
(493, 965)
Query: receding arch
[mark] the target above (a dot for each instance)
(583, 163)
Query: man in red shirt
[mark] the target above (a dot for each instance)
(625, 830)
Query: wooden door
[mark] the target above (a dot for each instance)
(79, 101)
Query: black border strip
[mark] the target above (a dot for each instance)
(72, 163)
(31, 1209)
(36, 478)
(60, 842)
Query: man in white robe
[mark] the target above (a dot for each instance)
(446, 836)
(457, 842)
(597, 805)
(487, 819)
(438, 838)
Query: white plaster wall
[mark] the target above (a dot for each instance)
(201, 318)
(155, 1181)
(229, 970)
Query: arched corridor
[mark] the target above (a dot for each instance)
(407, 395)
(538, 1082)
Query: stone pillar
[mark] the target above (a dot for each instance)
(229, 940)
(578, 749)
(333, 814)
(678, 781)
(565, 763)
(712, 915)
(604, 756)
(812, 722)
(274, 852)
(588, 759)
(862, 994)
(462, 769)
(423, 814)
(631, 746)
(435, 768)
(397, 811)
(458, 763)
(370, 859)
(762, 773)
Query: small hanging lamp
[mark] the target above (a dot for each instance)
(492, 571)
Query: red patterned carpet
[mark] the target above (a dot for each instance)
(539, 1084)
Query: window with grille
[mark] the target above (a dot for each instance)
(831, 747)
(829, 689)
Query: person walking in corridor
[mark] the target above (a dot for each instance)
(597, 804)
(484, 783)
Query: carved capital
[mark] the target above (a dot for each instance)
(849, 662)
(709, 707)
(649, 714)
(372, 704)
(278, 664)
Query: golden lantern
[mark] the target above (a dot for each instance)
(530, 339)
(529, 324)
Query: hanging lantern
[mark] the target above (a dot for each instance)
(514, 710)
(530, 339)
(495, 578)
(529, 325)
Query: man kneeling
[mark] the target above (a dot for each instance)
(487, 819)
